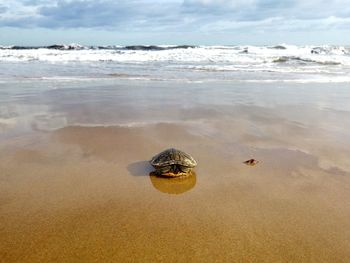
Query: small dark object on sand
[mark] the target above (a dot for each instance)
(173, 163)
(251, 162)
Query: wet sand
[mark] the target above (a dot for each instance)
(75, 183)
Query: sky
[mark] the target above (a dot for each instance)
(198, 22)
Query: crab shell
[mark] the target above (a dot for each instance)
(173, 162)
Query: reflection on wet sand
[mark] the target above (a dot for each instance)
(75, 181)
(175, 185)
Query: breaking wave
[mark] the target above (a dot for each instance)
(286, 59)
(80, 47)
(177, 61)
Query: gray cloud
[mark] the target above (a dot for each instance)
(107, 14)
(87, 14)
(3, 9)
(176, 15)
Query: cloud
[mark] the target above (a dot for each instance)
(89, 14)
(108, 14)
(278, 24)
(3, 9)
(217, 7)
(262, 9)
(176, 15)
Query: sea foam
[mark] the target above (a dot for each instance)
(184, 62)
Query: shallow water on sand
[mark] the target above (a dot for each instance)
(75, 182)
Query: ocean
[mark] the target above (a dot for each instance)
(282, 63)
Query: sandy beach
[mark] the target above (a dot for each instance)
(75, 183)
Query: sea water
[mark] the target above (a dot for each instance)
(282, 63)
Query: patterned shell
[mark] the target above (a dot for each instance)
(173, 156)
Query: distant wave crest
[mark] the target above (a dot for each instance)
(286, 59)
(181, 61)
(80, 47)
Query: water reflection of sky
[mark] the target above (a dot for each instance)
(308, 117)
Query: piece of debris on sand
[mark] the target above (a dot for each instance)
(251, 162)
